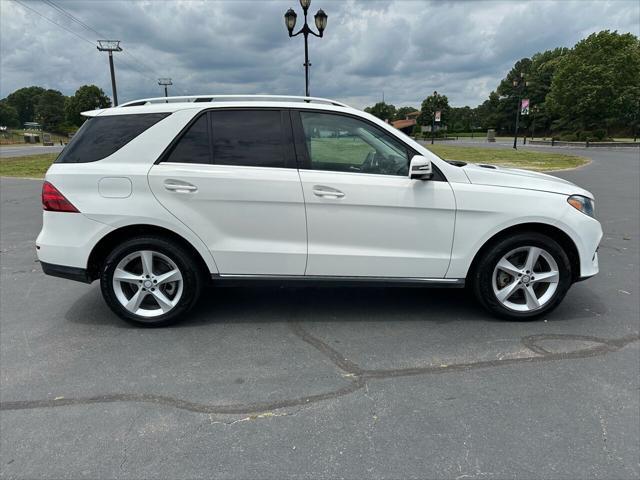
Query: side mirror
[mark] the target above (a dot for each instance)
(420, 168)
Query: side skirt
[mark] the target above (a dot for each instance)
(332, 281)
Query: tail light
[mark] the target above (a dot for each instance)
(54, 201)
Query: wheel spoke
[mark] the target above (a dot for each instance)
(123, 276)
(163, 302)
(508, 267)
(134, 302)
(546, 277)
(171, 276)
(506, 292)
(142, 293)
(531, 298)
(147, 262)
(532, 258)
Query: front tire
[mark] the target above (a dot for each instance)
(522, 277)
(150, 281)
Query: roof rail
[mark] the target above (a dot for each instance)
(213, 98)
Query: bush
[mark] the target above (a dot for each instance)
(568, 137)
(600, 134)
(65, 128)
(585, 135)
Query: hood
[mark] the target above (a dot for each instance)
(516, 178)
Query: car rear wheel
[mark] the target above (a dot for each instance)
(522, 277)
(150, 281)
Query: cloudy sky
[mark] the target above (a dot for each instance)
(405, 49)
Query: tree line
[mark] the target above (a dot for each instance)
(589, 91)
(54, 111)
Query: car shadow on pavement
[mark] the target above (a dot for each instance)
(267, 304)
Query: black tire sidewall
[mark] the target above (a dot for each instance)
(191, 277)
(483, 275)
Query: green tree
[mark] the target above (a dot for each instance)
(8, 115)
(597, 85)
(462, 119)
(87, 97)
(432, 103)
(49, 110)
(24, 100)
(384, 111)
(510, 94)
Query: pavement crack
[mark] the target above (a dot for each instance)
(340, 360)
(126, 440)
(358, 376)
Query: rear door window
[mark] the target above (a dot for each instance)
(101, 136)
(193, 146)
(253, 138)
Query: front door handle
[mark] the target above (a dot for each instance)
(327, 192)
(179, 186)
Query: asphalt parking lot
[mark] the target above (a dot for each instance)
(324, 382)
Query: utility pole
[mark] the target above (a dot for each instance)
(165, 82)
(111, 46)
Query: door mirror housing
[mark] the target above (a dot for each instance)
(420, 168)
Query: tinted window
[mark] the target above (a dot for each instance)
(345, 144)
(248, 137)
(193, 146)
(99, 137)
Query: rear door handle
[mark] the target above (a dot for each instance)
(327, 192)
(179, 186)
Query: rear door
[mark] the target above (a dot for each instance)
(231, 177)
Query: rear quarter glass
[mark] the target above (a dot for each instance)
(100, 137)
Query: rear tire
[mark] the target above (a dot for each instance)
(150, 281)
(522, 277)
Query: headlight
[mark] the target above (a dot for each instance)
(584, 204)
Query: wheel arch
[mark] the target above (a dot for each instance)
(109, 241)
(551, 231)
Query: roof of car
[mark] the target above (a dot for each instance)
(172, 104)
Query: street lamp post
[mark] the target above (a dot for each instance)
(111, 46)
(635, 126)
(519, 85)
(321, 23)
(165, 82)
(534, 110)
(433, 122)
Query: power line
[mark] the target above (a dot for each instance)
(55, 23)
(100, 35)
(91, 42)
(73, 17)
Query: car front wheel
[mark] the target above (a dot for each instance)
(150, 281)
(522, 277)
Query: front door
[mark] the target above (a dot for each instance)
(231, 178)
(365, 217)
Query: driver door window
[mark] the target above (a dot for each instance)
(344, 144)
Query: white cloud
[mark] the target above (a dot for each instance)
(405, 48)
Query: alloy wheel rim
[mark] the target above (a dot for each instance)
(147, 283)
(525, 279)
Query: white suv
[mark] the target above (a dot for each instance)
(157, 197)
